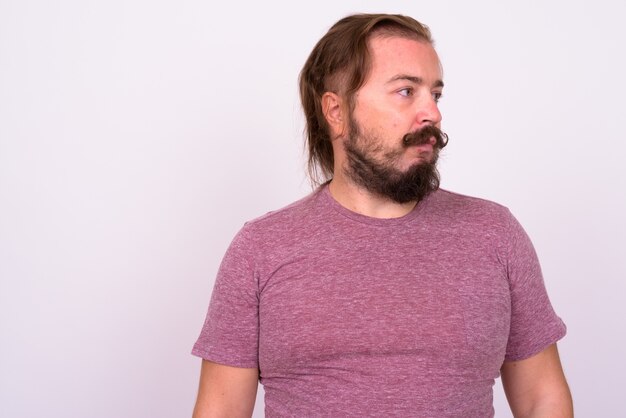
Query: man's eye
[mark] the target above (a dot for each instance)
(406, 92)
(437, 97)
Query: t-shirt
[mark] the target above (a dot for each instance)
(348, 315)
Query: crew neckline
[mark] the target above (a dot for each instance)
(370, 220)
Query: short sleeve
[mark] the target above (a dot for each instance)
(230, 332)
(534, 324)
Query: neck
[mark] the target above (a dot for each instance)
(357, 199)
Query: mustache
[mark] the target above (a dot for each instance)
(424, 135)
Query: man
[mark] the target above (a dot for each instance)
(379, 294)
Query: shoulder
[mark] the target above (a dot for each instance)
(473, 218)
(484, 218)
(465, 208)
(294, 212)
(268, 241)
(289, 219)
(454, 200)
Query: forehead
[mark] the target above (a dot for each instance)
(393, 55)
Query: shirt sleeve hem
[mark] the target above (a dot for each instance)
(224, 359)
(540, 346)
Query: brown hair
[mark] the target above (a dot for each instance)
(340, 63)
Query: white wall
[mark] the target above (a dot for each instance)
(137, 136)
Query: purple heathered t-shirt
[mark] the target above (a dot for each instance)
(347, 315)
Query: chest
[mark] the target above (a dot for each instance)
(436, 306)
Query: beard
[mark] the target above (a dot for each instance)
(381, 176)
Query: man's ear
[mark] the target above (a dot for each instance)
(334, 112)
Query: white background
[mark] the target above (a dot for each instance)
(137, 136)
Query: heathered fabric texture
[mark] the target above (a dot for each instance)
(346, 315)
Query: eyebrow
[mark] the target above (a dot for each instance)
(413, 79)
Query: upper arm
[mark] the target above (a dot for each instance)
(536, 386)
(226, 391)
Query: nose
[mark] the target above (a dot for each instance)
(427, 111)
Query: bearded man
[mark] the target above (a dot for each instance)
(379, 294)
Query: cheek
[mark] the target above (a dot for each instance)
(382, 121)
(392, 123)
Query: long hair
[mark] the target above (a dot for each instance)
(340, 63)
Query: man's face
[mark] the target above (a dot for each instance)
(399, 97)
